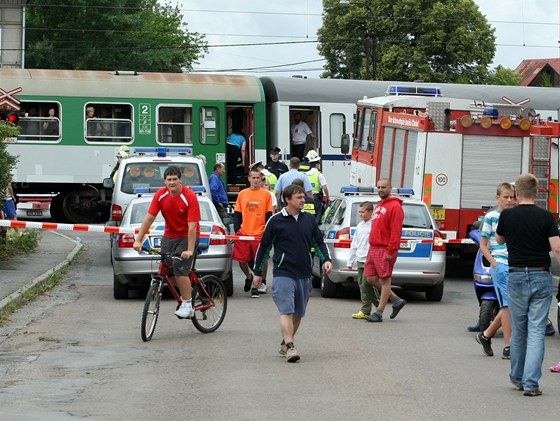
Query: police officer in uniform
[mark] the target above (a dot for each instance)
(275, 166)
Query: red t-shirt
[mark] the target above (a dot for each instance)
(178, 211)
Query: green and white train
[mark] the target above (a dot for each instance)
(67, 152)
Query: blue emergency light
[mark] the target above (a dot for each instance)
(401, 191)
(414, 90)
(162, 152)
(198, 189)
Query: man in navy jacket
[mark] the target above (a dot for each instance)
(293, 233)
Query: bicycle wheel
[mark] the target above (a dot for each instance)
(209, 318)
(151, 311)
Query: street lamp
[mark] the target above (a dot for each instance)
(370, 39)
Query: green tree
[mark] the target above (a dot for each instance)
(110, 35)
(504, 76)
(434, 41)
(7, 161)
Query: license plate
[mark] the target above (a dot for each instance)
(405, 246)
(156, 242)
(438, 214)
(34, 213)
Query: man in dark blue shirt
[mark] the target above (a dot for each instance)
(292, 233)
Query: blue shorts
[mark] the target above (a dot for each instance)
(9, 209)
(500, 279)
(291, 295)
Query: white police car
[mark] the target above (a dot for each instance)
(420, 266)
(132, 270)
(142, 173)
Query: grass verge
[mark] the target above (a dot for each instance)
(13, 244)
(52, 280)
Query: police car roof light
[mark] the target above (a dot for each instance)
(356, 190)
(141, 190)
(162, 151)
(198, 189)
(414, 90)
(401, 191)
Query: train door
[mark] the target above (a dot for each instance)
(240, 125)
(312, 117)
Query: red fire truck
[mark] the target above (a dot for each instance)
(453, 153)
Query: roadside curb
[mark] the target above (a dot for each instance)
(17, 296)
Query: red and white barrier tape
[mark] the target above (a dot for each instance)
(119, 230)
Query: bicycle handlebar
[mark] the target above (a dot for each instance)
(153, 251)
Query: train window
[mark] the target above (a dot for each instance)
(39, 121)
(174, 124)
(108, 122)
(337, 126)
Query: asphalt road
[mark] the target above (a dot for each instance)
(77, 353)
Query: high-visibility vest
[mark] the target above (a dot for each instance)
(313, 176)
(304, 167)
(271, 179)
(309, 207)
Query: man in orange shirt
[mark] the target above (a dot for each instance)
(253, 207)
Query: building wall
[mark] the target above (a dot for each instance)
(11, 33)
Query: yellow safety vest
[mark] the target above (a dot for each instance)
(309, 207)
(314, 180)
(272, 180)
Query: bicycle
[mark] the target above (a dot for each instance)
(209, 296)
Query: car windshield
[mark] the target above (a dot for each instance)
(150, 176)
(139, 211)
(415, 216)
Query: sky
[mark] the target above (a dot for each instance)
(524, 29)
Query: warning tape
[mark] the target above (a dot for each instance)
(119, 230)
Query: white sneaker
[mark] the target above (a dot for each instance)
(186, 310)
(262, 289)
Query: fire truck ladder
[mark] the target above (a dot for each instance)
(540, 168)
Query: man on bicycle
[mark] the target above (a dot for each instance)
(179, 207)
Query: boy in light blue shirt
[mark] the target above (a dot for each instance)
(497, 256)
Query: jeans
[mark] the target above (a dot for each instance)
(530, 296)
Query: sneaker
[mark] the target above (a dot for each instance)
(185, 311)
(486, 344)
(255, 293)
(518, 386)
(248, 284)
(283, 349)
(374, 317)
(397, 308)
(359, 315)
(262, 288)
(535, 392)
(555, 368)
(505, 353)
(292, 355)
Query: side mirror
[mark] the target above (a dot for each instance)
(345, 144)
(108, 183)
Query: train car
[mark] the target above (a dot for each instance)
(73, 123)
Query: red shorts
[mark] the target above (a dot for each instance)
(245, 250)
(377, 264)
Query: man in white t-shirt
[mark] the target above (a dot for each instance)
(299, 131)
